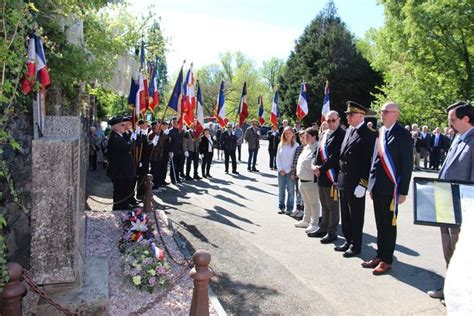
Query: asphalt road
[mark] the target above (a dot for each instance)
(264, 265)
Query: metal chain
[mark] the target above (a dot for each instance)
(122, 200)
(35, 287)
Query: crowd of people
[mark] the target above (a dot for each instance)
(324, 173)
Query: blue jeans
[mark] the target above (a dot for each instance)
(286, 183)
(252, 158)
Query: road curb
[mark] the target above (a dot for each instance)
(182, 247)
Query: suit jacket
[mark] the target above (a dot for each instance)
(273, 141)
(120, 158)
(441, 142)
(204, 145)
(355, 158)
(176, 141)
(459, 165)
(228, 142)
(252, 138)
(426, 141)
(400, 148)
(333, 144)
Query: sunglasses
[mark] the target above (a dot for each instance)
(386, 111)
(332, 121)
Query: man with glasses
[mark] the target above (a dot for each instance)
(458, 165)
(121, 169)
(327, 169)
(354, 162)
(389, 181)
(252, 137)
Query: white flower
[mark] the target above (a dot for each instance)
(139, 226)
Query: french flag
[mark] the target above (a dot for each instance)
(141, 98)
(243, 110)
(274, 114)
(302, 107)
(188, 101)
(153, 92)
(261, 113)
(36, 66)
(220, 110)
(326, 104)
(199, 113)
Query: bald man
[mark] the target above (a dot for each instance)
(389, 181)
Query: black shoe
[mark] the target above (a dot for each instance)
(196, 177)
(281, 212)
(342, 247)
(317, 234)
(255, 170)
(209, 176)
(227, 171)
(235, 172)
(165, 183)
(249, 170)
(204, 176)
(328, 238)
(179, 181)
(350, 253)
(189, 178)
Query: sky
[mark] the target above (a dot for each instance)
(199, 31)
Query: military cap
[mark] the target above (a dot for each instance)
(115, 120)
(154, 123)
(127, 119)
(354, 107)
(140, 122)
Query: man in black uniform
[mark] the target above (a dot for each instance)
(229, 145)
(354, 163)
(143, 153)
(273, 141)
(389, 181)
(121, 169)
(176, 153)
(327, 169)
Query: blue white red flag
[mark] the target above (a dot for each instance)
(153, 92)
(243, 110)
(188, 101)
(36, 66)
(173, 102)
(274, 114)
(302, 106)
(261, 112)
(220, 107)
(326, 104)
(199, 113)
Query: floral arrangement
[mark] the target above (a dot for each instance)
(145, 263)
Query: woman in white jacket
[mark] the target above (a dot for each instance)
(284, 161)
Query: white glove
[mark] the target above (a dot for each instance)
(171, 154)
(138, 130)
(359, 191)
(134, 136)
(258, 133)
(201, 156)
(186, 154)
(155, 140)
(144, 132)
(214, 137)
(140, 165)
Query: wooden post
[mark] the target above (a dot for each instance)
(13, 292)
(201, 275)
(147, 204)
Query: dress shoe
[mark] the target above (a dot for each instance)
(350, 253)
(209, 176)
(302, 224)
(249, 170)
(189, 178)
(439, 293)
(342, 247)
(316, 233)
(196, 177)
(235, 172)
(166, 183)
(328, 238)
(382, 268)
(372, 263)
(255, 170)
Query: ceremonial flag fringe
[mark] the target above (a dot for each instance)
(261, 113)
(243, 110)
(36, 66)
(302, 107)
(188, 101)
(326, 104)
(220, 107)
(274, 114)
(199, 113)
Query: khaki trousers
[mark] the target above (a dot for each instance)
(310, 194)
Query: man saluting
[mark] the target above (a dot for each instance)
(389, 181)
(354, 162)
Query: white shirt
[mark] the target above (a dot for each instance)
(209, 144)
(305, 159)
(284, 157)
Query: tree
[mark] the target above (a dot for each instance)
(271, 71)
(425, 51)
(326, 51)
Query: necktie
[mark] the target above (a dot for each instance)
(352, 132)
(436, 141)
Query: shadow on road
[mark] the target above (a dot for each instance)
(369, 239)
(251, 187)
(227, 213)
(193, 230)
(234, 295)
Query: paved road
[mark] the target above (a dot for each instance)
(264, 265)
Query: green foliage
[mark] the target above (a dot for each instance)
(4, 276)
(326, 51)
(425, 52)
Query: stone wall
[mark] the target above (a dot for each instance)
(18, 163)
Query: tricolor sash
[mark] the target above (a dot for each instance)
(389, 168)
(331, 173)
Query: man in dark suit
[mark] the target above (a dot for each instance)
(354, 162)
(389, 181)
(273, 141)
(229, 145)
(176, 153)
(121, 169)
(437, 145)
(327, 169)
(425, 138)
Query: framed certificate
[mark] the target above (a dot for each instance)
(441, 202)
